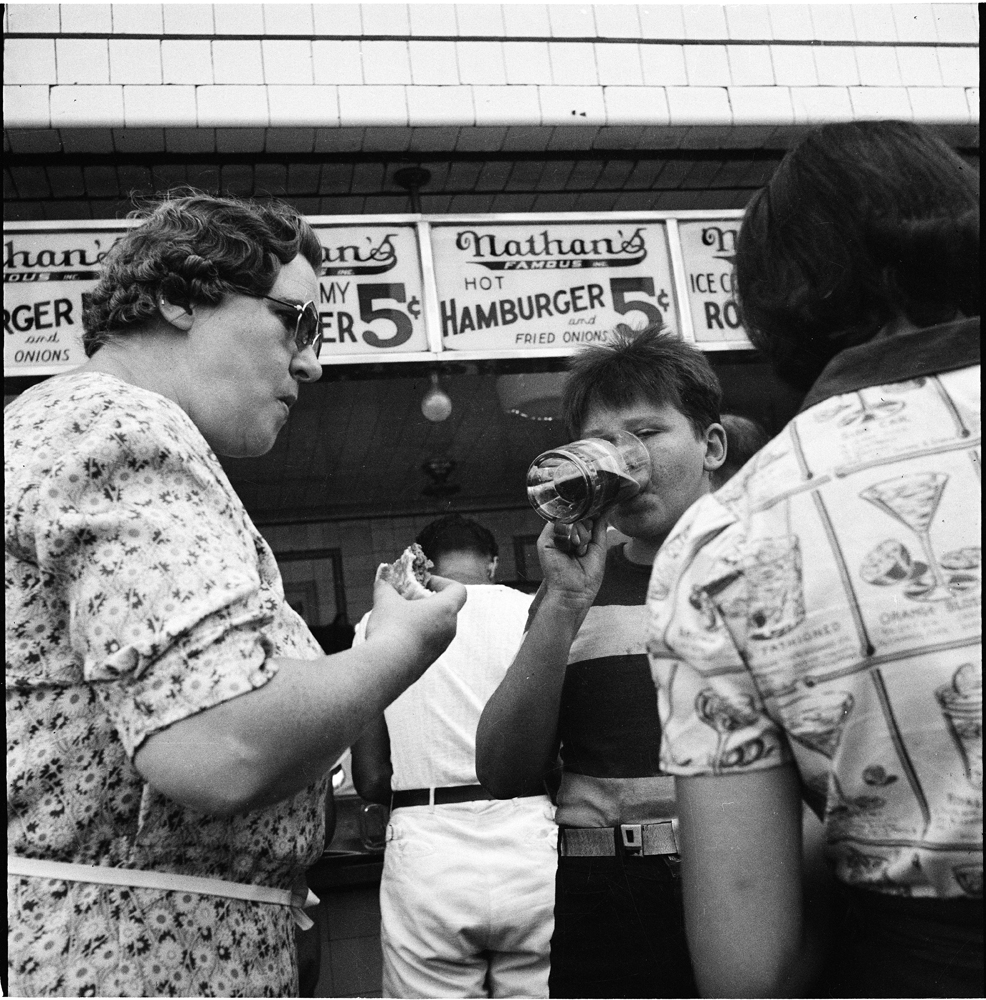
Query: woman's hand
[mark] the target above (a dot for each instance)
(429, 623)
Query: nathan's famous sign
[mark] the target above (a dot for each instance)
(531, 285)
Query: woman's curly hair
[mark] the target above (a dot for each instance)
(862, 222)
(193, 248)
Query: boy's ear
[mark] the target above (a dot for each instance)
(174, 314)
(715, 447)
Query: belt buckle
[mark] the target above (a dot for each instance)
(632, 836)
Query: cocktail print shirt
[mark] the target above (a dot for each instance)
(824, 606)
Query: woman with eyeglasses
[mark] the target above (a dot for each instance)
(171, 722)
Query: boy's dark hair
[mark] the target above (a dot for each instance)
(651, 365)
(193, 248)
(455, 533)
(744, 438)
(862, 221)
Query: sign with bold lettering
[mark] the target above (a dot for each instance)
(370, 290)
(45, 273)
(547, 284)
(708, 248)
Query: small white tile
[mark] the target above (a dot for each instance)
(372, 106)
(138, 19)
(874, 22)
(232, 107)
(522, 20)
(972, 96)
(527, 62)
(572, 63)
(135, 60)
(338, 19)
(571, 20)
(705, 21)
(87, 19)
(506, 106)
(939, 105)
(572, 106)
(40, 18)
(818, 105)
(836, 66)
(748, 20)
(761, 106)
(878, 66)
(385, 19)
(159, 107)
(337, 61)
(481, 63)
(26, 107)
(239, 18)
(618, 65)
(663, 65)
(833, 22)
(385, 62)
(83, 106)
(186, 61)
(636, 106)
(440, 106)
(480, 20)
(662, 21)
(698, 105)
(287, 63)
(750, 65)
(880, 102)
(793, 66)
(959, 67)
(919, 66)
(791, 21)
(188, 19)
(617, 20)
(82, 60)
(433, 63)
(707, 66)
(288, 19)
(915, 22)
(956, 22)
(301, 106)
(28, 60)
(237, 62)
(431, 19)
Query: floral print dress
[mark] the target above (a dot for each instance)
(138, 593)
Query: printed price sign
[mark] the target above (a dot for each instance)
(708, 248)
(370, 290)
(45, 273)
(547, 284)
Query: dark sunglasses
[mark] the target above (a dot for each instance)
(307, 328)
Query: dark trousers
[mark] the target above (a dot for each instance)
(619, 929)
(892, 946)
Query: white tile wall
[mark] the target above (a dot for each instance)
(188, 19)
(618, 65)
(150, 107)
(572, 63)
(750, 65)
(82, 60)
(878, 67)
(238, 18)
(372, 105)
(239, 62)
(793, 66)
(617, 20)
(87, 18)
(436, 63)
(939, 104)
(287, 62)
(29, 60)
(440, 106)
(337, 62)
(747, 20)
(288, 18)
(296, 106)
(663, 65)
(135, 61)
(186, 61)
(481, 62)
(385, 62)
(527, 62)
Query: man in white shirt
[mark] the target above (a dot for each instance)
(467, 891)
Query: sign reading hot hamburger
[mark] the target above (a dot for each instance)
(546, 284)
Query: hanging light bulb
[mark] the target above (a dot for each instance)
(436, 406)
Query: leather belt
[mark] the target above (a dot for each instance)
(438, 796)
(633, 839)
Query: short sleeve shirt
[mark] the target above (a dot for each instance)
(824, 606)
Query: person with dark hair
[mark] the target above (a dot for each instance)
(816, 627)
(467, 889)
(171, 722)
(580, 685)
(744, 438)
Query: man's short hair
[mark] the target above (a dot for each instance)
(193, 248)
(651, 366)
(862, 222)
(455, 533)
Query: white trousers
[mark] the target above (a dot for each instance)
(467, 899)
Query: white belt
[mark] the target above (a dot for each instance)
(170, 882)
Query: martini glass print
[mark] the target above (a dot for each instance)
(913, 501)
(869, 412)
(819, 726)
